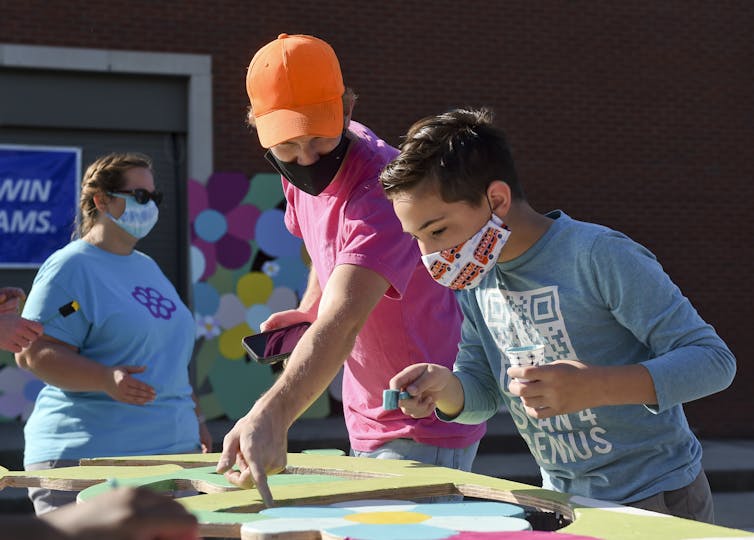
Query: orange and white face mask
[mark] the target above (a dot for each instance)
(465, 265)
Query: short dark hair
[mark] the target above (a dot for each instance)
(462, 151)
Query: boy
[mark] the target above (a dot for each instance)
(624, 349)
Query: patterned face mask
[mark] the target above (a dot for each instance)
(137, 219)
(463, 266)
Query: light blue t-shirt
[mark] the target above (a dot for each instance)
(129, 315)
(591, 294)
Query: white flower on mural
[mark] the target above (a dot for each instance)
(271, 268)
(207, 327)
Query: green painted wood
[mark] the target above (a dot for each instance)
(78, 478)
(324, 479)
(325, 452)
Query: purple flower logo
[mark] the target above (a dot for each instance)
(159, 306)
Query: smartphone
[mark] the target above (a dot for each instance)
(275, 345)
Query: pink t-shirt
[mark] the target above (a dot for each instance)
(352, 222)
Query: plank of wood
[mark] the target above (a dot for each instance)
(78, 478)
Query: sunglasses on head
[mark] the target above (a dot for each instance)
(142, 196)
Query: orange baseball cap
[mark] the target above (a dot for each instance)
(295, 88)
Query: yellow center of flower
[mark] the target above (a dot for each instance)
(389, 518)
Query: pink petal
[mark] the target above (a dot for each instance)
(210, 257)
(197, 199)
(232, 252)
(226, 190)
(242, 220)
(231, 311)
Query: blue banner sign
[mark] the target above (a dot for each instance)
(39, 189)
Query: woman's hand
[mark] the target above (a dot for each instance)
(121, 386)
(205, 437)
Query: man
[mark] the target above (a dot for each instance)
(370, 303)
(624, 349)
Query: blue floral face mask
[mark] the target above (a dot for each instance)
(137, 219)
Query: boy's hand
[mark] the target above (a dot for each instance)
(561, 387)
(568, 386)
(428, 386)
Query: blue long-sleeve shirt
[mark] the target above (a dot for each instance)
(591, 294)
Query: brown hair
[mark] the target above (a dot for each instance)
(461, 151)
(349, 99)
(103, 176)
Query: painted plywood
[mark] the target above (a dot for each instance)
(322, 480)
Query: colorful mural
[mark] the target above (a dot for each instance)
(245, 265)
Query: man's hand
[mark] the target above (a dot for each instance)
(125, 514)
(257, 443)
(257, 446)
(17, 333)
(431, 386)
(121, 386)
(285, 318)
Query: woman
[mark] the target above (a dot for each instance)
(117, 338)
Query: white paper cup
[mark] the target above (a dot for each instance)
(525, 356)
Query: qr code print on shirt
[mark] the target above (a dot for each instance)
(518, 318)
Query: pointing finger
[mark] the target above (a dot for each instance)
(260, 479)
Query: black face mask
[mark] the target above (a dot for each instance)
(313, 178)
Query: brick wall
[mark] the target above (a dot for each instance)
(637, 115)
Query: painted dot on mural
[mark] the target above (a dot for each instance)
(210, 225)
(206, 298)
(198, 263)
(231, 311)
(265, 191)
(282, 298)
(289, 272)
(230, 341)
(256, 315)
(32, 389)
(254, 288)
(272, 236)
